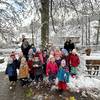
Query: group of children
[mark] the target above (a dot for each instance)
(55, 66)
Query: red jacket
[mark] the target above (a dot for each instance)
(30, 64)
(40, 57)
(73, 60)
(51, 68)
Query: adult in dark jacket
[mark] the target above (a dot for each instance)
(71, 45)
(25, 48)
(66, 46)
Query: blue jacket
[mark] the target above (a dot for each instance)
(63, 74)
(11, 70)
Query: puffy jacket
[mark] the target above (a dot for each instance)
(51, 68)
(63, 74)
(30, 65)
(74, 60)
(11, 70)
(37, 70)
(23, 71)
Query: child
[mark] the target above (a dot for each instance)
(58, 55)
(38, 72)
(23, 72)
(63, 76)
(12, 72)
(31, 68)
(51, 69)
(39, 55)
(30, 53)
(74, 62)
(45, 58)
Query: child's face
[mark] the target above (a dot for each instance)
(63, 63)
(23, 62)
(52, 59)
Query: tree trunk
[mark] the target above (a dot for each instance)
(44, 22)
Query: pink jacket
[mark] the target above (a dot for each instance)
(51, 68)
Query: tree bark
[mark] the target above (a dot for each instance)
(44, 22)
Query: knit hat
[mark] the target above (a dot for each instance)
(65, 51)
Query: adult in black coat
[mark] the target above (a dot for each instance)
(66, 46)
(71, 45)
(25, 48)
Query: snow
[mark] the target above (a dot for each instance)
(83, 83)
(93, 56)
(5, 56)
(3, 65)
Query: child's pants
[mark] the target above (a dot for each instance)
(38, 77)
(52, 77)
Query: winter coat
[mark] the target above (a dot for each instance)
(74, 70)
(23, 71)
(71, 46)
(73, 60)
(51, 68)
(11, 70)
(66, 46)
(37, 70)
(25, 50)
(30, 65)
(63, 74)
(45, 58)
(40, 57)
(16, 63)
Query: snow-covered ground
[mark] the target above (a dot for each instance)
(91, 85)
(3, 65)
(6, 53)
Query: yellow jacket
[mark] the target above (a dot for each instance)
(24, 71)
